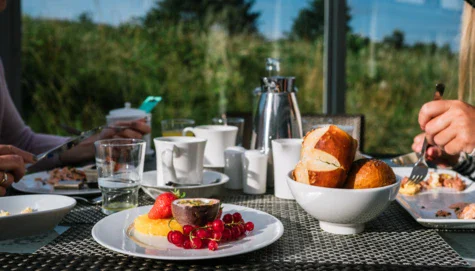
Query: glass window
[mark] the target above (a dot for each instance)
(397, 50)
(83, 58)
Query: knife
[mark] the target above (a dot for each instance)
(74, 141)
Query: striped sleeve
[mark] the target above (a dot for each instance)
(466, 165)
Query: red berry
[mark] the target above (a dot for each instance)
(169, 236)
(228, 218)
(217, 235)
(237, 217)
(236, 232)
(187, 244)
(242, 229)
(227, 234)
(202, 233)
(212, 245)
(204, 243)
(209, 225)
(177, 238)
(162, 208)
(218, 225)
(196, 243)
(249, 226)
(187, 229)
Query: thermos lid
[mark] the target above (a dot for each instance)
(278, 84)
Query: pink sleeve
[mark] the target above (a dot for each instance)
(13, 130)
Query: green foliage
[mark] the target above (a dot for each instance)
(75, 73)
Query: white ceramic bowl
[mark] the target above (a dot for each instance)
(48, 212)
(342, 211)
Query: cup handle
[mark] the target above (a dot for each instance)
(167, 162)
(186, 130)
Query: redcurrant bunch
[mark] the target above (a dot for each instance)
(232, 227)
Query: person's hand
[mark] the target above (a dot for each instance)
(449, 125)
(85, 151)
(434, 154)
(12, 165)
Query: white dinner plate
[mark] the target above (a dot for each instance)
(28, 184)
(111, 232)
(213, 185)
(48, 210)
(423, 206)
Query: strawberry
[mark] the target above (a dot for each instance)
(162, 208)
(220, 212)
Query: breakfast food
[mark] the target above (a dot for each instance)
(442, 213)
(464, 210)
(162, 208)
(27, 210)
(326, 157)
(65, 178)
(369, 173)
(156, 227)
(195, 212)
(435, 180)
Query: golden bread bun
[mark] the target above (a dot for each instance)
(369, 173)
(326, 157)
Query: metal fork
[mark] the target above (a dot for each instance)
(420, 169)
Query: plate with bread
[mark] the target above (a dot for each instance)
(340, 189)
(445, 199)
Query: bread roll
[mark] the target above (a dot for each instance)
(326, 157)
(369, 173)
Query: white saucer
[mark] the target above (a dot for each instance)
(209, 188)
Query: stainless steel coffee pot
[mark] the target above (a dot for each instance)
(276, 115)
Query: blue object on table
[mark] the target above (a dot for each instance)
(150, 103)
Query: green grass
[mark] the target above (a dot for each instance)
(75, 73)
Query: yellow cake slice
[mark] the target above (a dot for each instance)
(156, 227)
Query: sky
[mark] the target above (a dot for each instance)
(421, 20)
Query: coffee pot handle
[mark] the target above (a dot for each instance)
(167, 162)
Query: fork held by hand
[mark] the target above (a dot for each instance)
(420, 169)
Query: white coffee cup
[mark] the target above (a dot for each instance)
(285, 154)
(219, 137)
(254, 172)
(179, 159)
(233, 167)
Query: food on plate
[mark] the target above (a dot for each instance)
(442, 213)
(326, 157)
(464, 210)
(409, 188)
(435, 180)
(231, 227)
(162, 208)
(27, 210)
(156, 227)
(369, 173)
(195, 211)
(65, 178)
(206, 229)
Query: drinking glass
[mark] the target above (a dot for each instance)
(120, 165)
(174, 127)
(238, 122)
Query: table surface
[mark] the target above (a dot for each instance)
(392, 241)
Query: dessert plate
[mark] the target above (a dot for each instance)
(114, 233)
(28, 184)
(213, 185)
(424, 205)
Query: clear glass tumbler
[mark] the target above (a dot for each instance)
(120, 165)
(174, 127)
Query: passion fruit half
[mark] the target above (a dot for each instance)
(195, 211)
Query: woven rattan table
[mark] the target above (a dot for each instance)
(390, 242)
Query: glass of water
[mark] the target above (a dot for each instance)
(120, 165)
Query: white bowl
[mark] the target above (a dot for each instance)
(339, 210)
(48, 212)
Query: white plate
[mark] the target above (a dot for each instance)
(437, 199)
(206, 190)
(110, 232)
(48, 212)
(28, 185)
